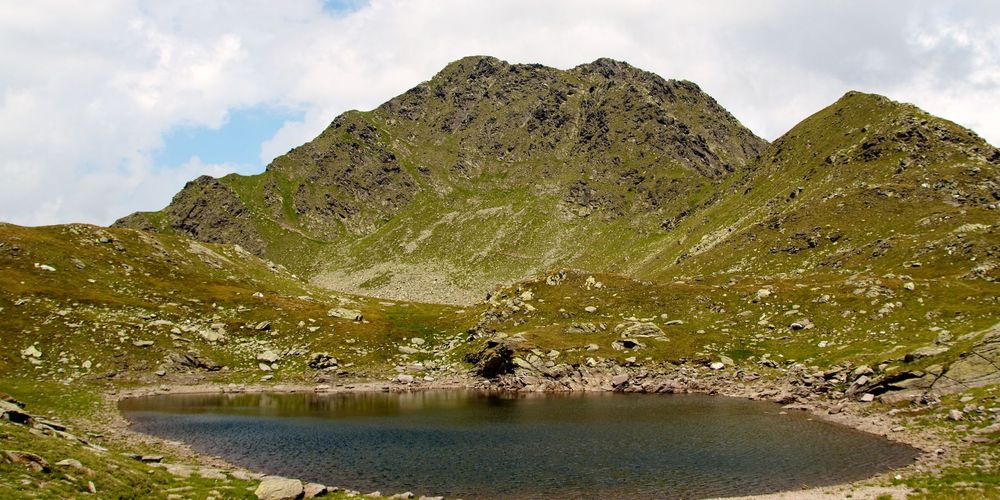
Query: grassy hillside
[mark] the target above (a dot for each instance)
(866, 183)
(83, 304)
(88, 311)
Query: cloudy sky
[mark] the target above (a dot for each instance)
(107, 107)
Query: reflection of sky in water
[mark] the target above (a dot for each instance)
(470, 444)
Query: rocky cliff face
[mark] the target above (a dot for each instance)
(208, 211)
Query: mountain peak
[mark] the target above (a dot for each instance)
(471, 64)
(606, 64)
(603, 141)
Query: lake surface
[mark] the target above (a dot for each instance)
(486, 445)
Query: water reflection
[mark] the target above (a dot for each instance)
(479, 444)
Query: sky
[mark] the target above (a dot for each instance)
(108, 107)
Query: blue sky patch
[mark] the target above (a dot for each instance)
(237, 142)
(341, 7)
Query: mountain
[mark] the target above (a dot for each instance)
(491, 172)
(486, 173)
(866, 183)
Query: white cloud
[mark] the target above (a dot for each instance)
(89, 90)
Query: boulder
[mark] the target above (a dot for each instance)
(192, 360)
(279, 488)
(555, 279)
(313, 490)
(340, 312)
(975, 368)
(29, 460)
(10, 399)
(638, 329)
(13, 413)
(520, 362)
(322, 361)
(802, 324)
(74, 464)
(267, 356)
(862, 370)
(495, 359)
(31, 352)
(212, 336)
(581, 328)
(626, 344)
(924, 352)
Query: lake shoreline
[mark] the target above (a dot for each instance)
(857, 416)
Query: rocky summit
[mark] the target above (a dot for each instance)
(525, 228)
(486, 173)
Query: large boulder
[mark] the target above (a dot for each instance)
(975, 368)
(279, 488)
(495, 359)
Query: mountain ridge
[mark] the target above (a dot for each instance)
(490, 172)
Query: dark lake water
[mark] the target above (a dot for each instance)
(483, 445)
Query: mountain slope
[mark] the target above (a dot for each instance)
(867, 183)
(86, 304)
(485, 173)
(491, 172)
